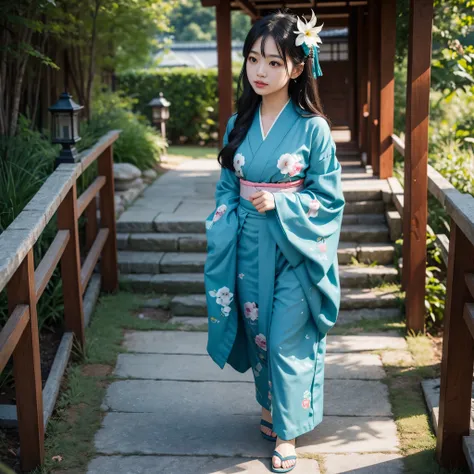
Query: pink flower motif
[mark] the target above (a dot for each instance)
(297, 167)
(323, 247)
(314, 206)
(251, 311)
(305, 404)
(261, 341)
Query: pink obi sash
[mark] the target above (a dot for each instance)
(247, 188)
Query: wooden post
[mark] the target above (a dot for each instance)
(108, 261)
(416, 161)
(375, 40)
(71, 267)
(224, 64)
(362, 58)
(27, 368)
(387, 86)
(458, 356)
(353, 61)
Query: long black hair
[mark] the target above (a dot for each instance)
(303, 92)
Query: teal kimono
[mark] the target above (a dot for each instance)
(271, 279)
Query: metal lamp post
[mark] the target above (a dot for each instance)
(160, 112)
(65, 127)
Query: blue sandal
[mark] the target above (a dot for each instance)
(281, 469)
(268, 425)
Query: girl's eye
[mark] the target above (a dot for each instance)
(275, 63)
(251, 58)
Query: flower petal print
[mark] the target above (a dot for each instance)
(287, 163)
(251, 311)
(239, 161)
(226, 310)
(220, 211)
(241, 276)
(261, 341)
(305, 403)
(314, 206)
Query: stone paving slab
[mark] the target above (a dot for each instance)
(363, 464)
(203, 368)
(137, 220)
(233, 435)
(341, 397)
(139, 262)
(178, 342)
(191, 465)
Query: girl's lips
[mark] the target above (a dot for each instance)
(260, 84)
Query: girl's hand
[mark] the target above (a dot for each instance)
(263, 201)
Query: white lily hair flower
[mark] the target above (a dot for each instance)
(308, 32)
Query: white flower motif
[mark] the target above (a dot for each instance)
(241, 276)
(251, 311)
(261, 341)
(223, 297)
(239, 161)
(289, 164)
(220, 211)
(226, 310)
(308, 31)
(314, 206)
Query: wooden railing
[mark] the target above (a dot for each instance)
(458, 338)
(25, 284)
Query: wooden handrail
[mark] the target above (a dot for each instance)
(19, 337)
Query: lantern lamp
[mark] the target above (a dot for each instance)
(160, 112)
(65, 127)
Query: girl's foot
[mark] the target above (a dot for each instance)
(267, 416)
(285, 448)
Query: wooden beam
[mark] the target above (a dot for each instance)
(93, 257)
(375, 41)
(12, 332)
(416, 161)
(458, 355)
(362, 66)
(49, 261)
(27, 368)
(352, 51)
(89, 194)
(248, 8)
(224, 65)
(387, 86)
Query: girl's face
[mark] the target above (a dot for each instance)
(268, 75)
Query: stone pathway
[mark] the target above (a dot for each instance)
(175, 411)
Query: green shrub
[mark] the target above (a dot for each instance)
(138, 143)
(193, 95)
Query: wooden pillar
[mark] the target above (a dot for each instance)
(375, 40)
(224, 64)
(388, 11)
(353, 59)
(458, 356)
(27, 368)
(416, 161)
(362, 68)
(71, 267)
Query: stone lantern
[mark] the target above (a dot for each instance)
(65, 127)
(160, 113)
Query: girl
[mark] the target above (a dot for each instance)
(271, 273)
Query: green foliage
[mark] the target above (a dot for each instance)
(138, 143)
(190, 21)
(193, 95)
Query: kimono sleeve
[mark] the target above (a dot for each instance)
(311, 220)
(221, 265)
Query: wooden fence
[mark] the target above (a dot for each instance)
(25, 284)
(454, 445)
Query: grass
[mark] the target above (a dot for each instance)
(192, 151)
(70, 432)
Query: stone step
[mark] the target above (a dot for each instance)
(351, 299)
(131, 261)
(136, 222)
(360, 247)
(364, 207)
(191, 283)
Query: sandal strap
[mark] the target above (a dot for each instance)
(266, 423)
(287, 458)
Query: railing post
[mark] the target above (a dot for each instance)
(415, 208)
(27, 368)
(71, 267)
(458, 356)
(91, 225)
(108, 261)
